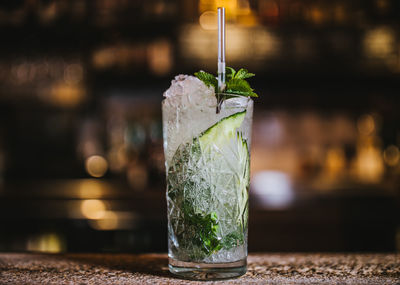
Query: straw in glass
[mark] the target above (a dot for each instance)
(221, 55)
(221, 49)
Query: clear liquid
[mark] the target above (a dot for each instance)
(212, 188)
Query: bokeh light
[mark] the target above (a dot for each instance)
(366, 125)
(73, 73)
(109, 221)
(379, 42)
(93, 209)
(369, 164)
(63, 95)
(104, 57)
(90, 188)
(317, 15)
(335, 162)
(46, 242)
(209, 20)
(231, 6)
(96, 165)
(160, 57)
(391, 155)
(273, 189)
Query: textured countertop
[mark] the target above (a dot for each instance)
(26, 268)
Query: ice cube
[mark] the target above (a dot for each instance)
(188, 110)
(189, 91)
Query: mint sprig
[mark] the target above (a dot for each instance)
(239, 87)
(236, 83)
(207, 78)
(240, 74)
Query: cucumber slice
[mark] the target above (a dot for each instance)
(207, 191)
(222, 132)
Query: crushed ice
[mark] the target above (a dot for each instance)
(187, 90)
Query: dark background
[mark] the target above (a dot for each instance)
(81, 83)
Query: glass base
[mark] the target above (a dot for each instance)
(207, 271)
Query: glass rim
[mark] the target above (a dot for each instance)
(223, 94)
(244, 102)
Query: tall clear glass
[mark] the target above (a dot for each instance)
(207, 155)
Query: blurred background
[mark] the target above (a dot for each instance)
(81, 83)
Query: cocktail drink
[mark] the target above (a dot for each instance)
(207, 130)
(208, 173)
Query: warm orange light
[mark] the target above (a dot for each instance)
(391, 155)
(93, 209)
(108, 222)
(369, 164)
(113, 220)
(317, 15)
(65, 95)
(90, 188)
(208, 20)
(231, 7)
(335, 162)
(379, 42)
(366, 125)
(160, 57)
(104, 58)
(48, 242)
(96, 165)
(242, 44)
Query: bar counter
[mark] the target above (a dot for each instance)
(286, 268)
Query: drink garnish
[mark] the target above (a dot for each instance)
(236, 83)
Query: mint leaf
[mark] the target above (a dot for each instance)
(208, 228)
(243, 74)
(236, 84)
(239, 87)
(232, 240)
(239, 93)
(230, 73)
(196, 230)
(207, 78)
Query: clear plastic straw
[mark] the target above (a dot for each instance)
(221, 49)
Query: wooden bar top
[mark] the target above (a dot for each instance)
(286, 268)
